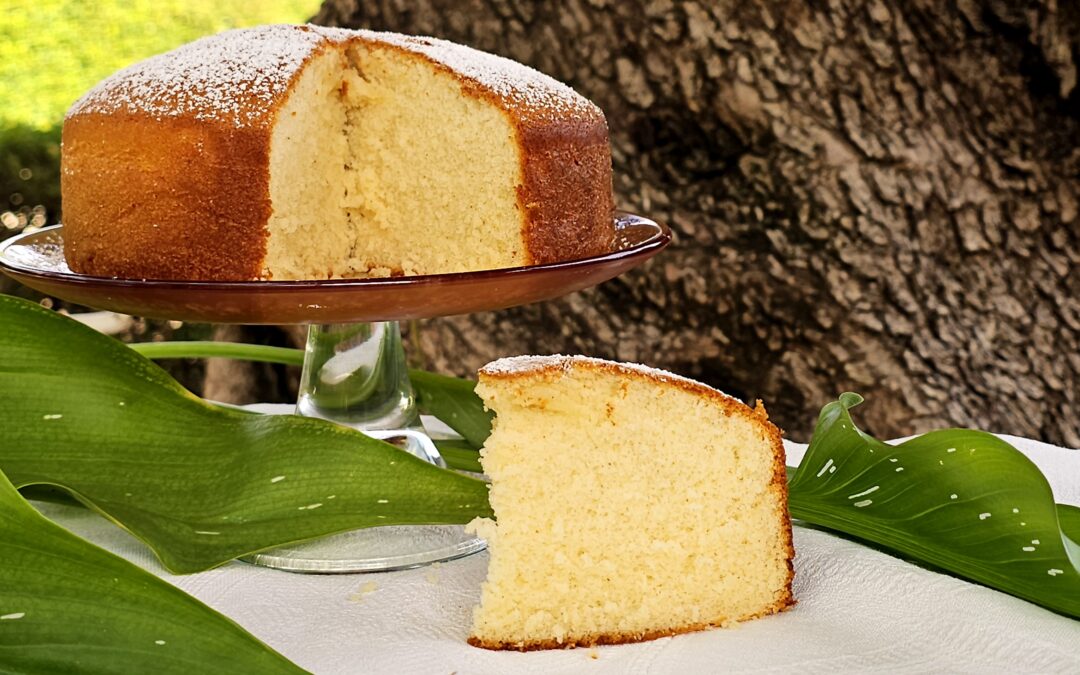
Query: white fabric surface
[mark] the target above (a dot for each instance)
(859, 611)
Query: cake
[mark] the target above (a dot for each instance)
(629, 504)
(301, 152)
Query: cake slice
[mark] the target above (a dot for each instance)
(630, 503)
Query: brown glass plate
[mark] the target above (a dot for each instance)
(36, 259)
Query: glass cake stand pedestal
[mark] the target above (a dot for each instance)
(354, 369)
(355, 374)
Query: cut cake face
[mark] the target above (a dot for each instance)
(630, 504)
(372, 146)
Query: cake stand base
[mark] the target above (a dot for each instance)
(355, 374)
(376, 549)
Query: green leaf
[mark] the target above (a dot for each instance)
(960, 500)
(453, 401)
(205, 349)
(67, 605)
(1069, 517)
(459, 454)
(200, 484)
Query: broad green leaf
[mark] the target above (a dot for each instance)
(201, 484)
(459, 454)
(69, 606)
(1069, 517)
(964, 501)
(453, 401)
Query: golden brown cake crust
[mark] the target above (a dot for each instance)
(781, 605)
(552, 367)
(565, 188)
(165, 170)
(195, 208)
(165, 164)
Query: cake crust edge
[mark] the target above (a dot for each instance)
(782, 605)
(150, 232)
(224, 160)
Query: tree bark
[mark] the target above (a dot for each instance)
(229, 381)
(879, 197)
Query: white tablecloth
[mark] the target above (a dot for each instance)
(859, 611)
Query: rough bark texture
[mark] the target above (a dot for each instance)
(879, 197)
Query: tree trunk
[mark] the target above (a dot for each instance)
(879, 197)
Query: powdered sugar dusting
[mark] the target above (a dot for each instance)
(517, 83)
(238, 76)
(518, 365)
(235, 76)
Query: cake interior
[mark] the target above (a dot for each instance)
(626, 509)
(370, 143)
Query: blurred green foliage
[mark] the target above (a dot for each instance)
(29, 174)
(51, 51)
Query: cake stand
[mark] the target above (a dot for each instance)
(354, 369)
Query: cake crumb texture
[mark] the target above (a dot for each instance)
(630, 504)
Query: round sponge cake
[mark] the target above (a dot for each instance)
(300, 152)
